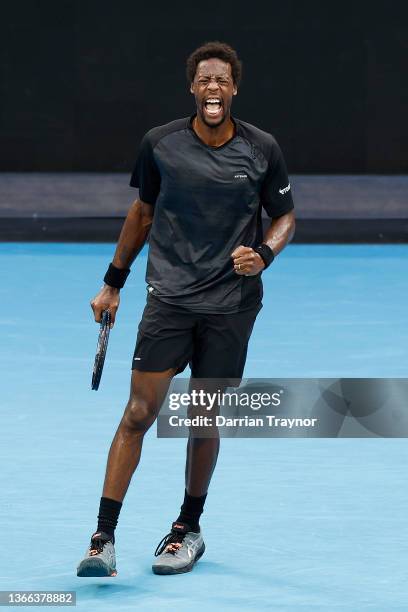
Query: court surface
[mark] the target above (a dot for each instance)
(289, 524)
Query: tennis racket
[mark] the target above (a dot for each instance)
(101, 349)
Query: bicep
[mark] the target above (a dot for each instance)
(287, 218)
(147, 210)
(142, 209)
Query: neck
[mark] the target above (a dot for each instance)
(216, 136)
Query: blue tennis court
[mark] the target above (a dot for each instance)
(306, 524)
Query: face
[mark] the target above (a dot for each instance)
(213, 88)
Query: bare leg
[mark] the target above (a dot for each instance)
(147, 392)
(202, 452)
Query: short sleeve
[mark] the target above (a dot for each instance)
(146, 175)
(276, 195)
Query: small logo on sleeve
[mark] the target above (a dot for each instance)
(284, 190)
(240, 175)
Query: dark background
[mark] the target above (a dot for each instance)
(82, 81)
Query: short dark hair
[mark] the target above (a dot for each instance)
(219, 50)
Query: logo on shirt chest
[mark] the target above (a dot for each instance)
(240, 176)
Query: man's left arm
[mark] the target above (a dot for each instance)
(280, 232)
(276, 199)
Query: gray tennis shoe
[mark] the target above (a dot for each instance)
(99, 558)
(178, 550)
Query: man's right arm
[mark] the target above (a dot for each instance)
(131, 240)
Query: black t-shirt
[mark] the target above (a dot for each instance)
(207, 201)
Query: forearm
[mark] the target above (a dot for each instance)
(133, 234)
(280, 232)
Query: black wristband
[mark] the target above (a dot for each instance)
(266, 254)
(115, 277)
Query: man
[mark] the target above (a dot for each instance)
(203, 181)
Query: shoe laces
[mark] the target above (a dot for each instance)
(173, 541)
(97, 544)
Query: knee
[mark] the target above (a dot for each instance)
(139, 415)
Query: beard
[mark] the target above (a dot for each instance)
(213, 124)
(207, 120)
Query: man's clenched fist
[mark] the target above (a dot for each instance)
(247, 261)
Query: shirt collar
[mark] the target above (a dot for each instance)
(190, 127)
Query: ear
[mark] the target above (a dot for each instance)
(191, 88)
(235, 91)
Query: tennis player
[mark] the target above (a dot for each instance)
(203, 181)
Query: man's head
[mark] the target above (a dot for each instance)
(214, 73)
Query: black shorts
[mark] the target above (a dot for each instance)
(215, 345)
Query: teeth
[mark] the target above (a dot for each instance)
(213, 101)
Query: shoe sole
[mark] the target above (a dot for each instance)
(94, 568)
(163, 570)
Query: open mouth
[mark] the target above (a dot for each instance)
(213, 106)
